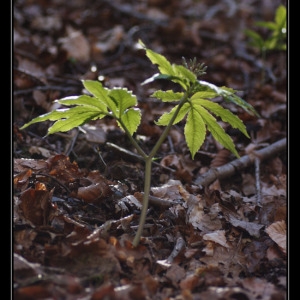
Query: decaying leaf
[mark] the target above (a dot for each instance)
(277, 232)
(36, 206)
(97, 190)
(218, 237)
(252, 228)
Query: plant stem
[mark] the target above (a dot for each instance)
(147, 185)
(133, 141)
(148, 168)
(167, 129)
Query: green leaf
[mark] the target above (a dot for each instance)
(280, 16)
(163, 64)
(77, 117)
(165, 119)
(67, 119)
(228, 94)
(51, 116)
(208, 94)
(184, 73)
(100, 93)
(83, 100)
(176, 73)
(257, 40)
(167, 96)
(240, 102)
(216, 130)
(226, 115)
(194, 131)
(277, 39)
(123, 100)
(269, 25)
(183, 76)
(116, 103)
(131, 119)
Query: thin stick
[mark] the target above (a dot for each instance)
(229, 169)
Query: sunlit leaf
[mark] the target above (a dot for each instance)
(224, 114)
(163, 64)
(167, 96)
(229, 95)
(100, 93)
(216, 130)
(83, 100)
(194, 131)
(165, 119)
(131, 119)
(183, 73)
(123, 99)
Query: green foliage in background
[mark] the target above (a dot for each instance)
(276, 39)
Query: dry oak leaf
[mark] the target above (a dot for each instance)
(63, 169)
(218, 237)
(252, 228)
(36, 205)
(277, 232)
(97, 190)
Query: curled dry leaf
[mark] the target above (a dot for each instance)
(36, 206)
(97, 190)
(22, 179)
(277, 232)
(173, 189)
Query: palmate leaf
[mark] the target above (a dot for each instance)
(226, 115)
(131, 119)
(68, 118)
(123, 100)
(165, 119)
(116, 103)
(126, 115)
(176, 73)
(77, 116)
(194, 131)
(184, 73)
(83, 100)
(101, 93)
(164, 65)
(216, 130)
(198, 121)
(229, 95)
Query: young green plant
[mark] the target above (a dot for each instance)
(194, 104)
(276, 40)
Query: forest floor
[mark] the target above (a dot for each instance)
(77, 195)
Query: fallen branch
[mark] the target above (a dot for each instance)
(239, 164)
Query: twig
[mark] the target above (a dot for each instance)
(55, 179)
(180, 244)
(161, 202)
(239, 164)
(136, 155)
(74, 138)
(257, 180)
